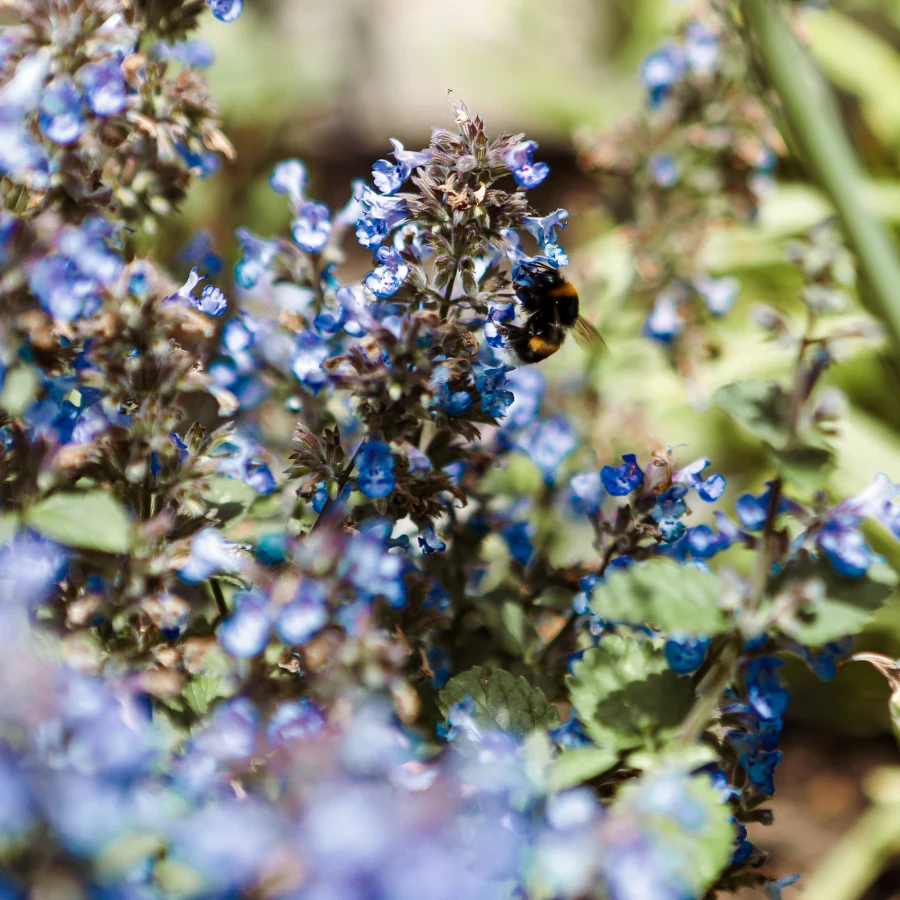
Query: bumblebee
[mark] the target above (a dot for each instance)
(551, 306)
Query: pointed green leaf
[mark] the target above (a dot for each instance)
(846, 606)
(201, 691)
(760, 407)
(502, 700)
(626, 695)
(578, 765)
(664, 595)
(93, 520)
(510, 626)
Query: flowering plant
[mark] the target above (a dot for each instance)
(441, 641)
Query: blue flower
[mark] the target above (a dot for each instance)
(518, 537)
(709, 489)
(311, 229)
(226, 10)
(380, 215)
(105, 90)
(441, 666)
(290, 178)
(528, 385)
(257, 257)
(376, 470)
(210, 553)
(664, 169)
(310, 351)
(305, 616)
(704, 542)
(544, 228)
(212, 301)
(719, 294)
(31, 566)
(495, 400)
(196, 54)
(825, 662)
(664, 323)
(586, 494)
(752, 511)
(773, 889)
(245, 633)
(622, 480)
(294, 720)
(391, 272)
(660, 71)
(430, 542)
(528, 174)
(389, 177)
(701, 48)
(60, 119)
(241, 458)
(766, 696)
(21, 159)
(846, 548)
(371, 568)
(202, 164)
(570, 735)
(685, 653)
(667, 512)
(548, 443)
(460, 718)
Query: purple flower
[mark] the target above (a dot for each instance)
(528, 174)
(375, 464)
(391, 272)
(518, 537)
(709, 489)
(60, 118)
(294, 720)
(31, 566)
(305, 616)
(380, 215)
(210, 553)
(105, 90)
(495, 400)
(622, 480)
(311, 229)
(245, 633)
(196, 54)
(528, 385)
(389, 177)
(212, 301)
(685, 654)
(257, 257)
(226, 10)
(586, 494)
(846, 548)
(663, 168)
(544, 228)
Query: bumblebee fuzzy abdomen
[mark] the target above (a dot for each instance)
(532, 348)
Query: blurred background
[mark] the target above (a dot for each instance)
(331, 82)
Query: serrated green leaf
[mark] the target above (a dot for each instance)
(686, 815)
(848, 604)
(806, 467)
(626, 695)
(20, 387)
(502, 700)
(760, 407)
(93, 520)
(664, 595)
(201, 691)
(579, 765)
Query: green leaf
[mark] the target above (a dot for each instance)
(201, 691)
(93, 520)
(9, 525)
(760, 407)
(579, 765)
(502, 700)
(848, 603)
(686, 815)
(806, 467)
(20, 387)
(626, 695)
(664, 595)
(510, 626)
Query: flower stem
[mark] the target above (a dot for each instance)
(815, 124)
(709, 693)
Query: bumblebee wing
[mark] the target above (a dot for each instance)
(588, 337)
